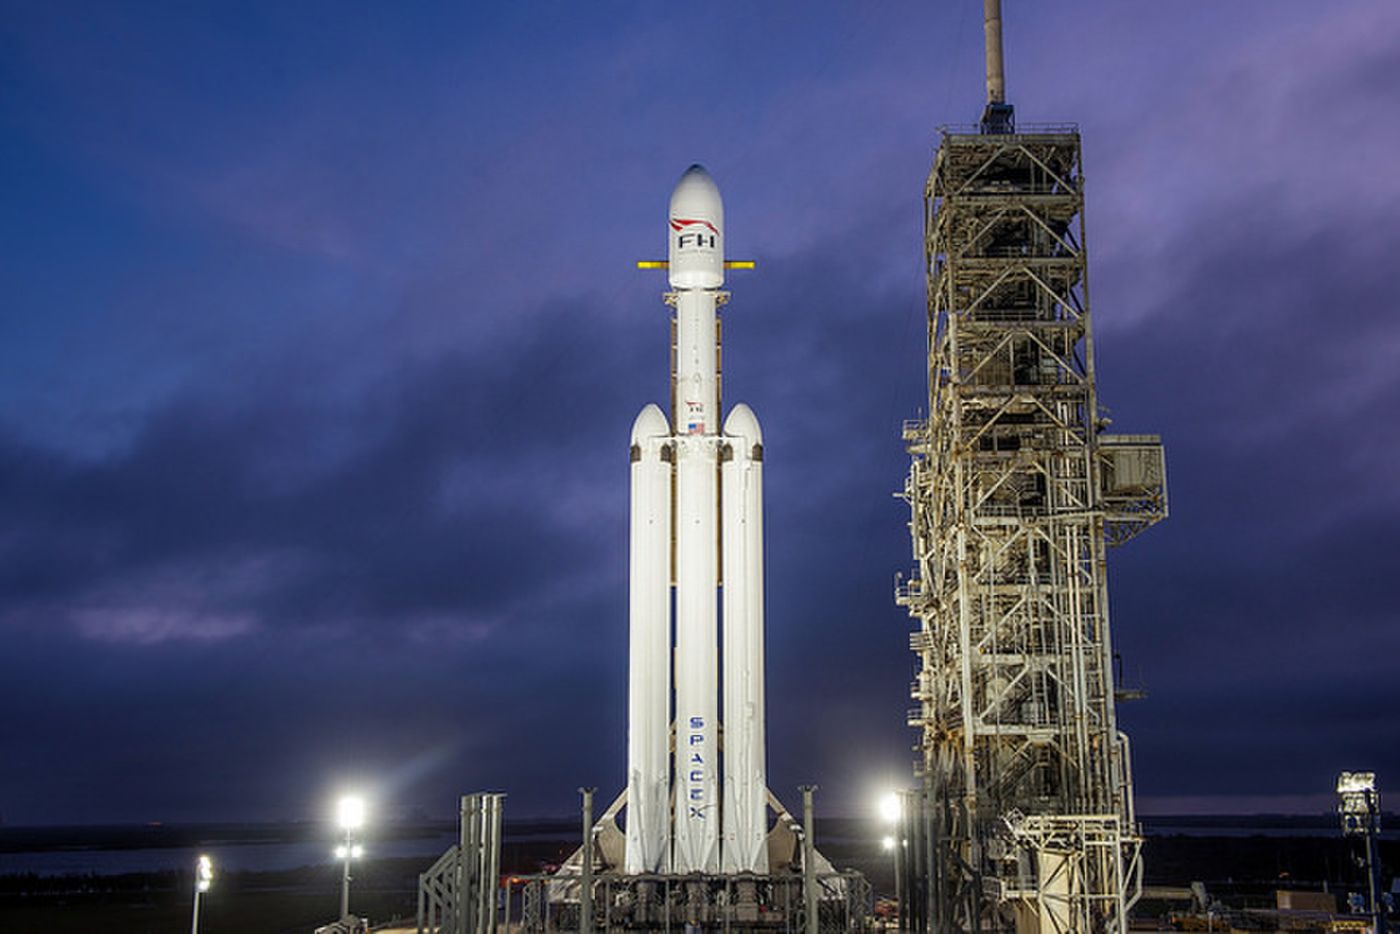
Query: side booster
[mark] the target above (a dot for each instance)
(697, 504)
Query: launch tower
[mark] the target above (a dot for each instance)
(1015, 492)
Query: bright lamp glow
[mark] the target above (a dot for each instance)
(1356, 781)
(350, 812)
(889, 808)
(341, 852)
(1360, 804)
(357, 851)
(887, 843)
(204, 873)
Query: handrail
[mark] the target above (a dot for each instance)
(1022, 129)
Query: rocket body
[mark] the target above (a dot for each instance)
(713, 826)
(649, 647)
(744, 847)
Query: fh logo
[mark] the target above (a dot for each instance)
(694, 238)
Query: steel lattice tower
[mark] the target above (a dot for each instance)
(1015, 494)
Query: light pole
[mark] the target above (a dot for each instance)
(203, 878)
(350, 814)
(890, 812)
(1360, 810)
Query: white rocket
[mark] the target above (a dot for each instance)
(697, 504)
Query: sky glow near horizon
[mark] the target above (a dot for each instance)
(323, 340)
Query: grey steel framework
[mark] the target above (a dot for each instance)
(1014, 494)
(741, 902)
(457, 894)
(802, 893)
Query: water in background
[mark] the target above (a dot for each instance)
(277, 856)
(230, 856)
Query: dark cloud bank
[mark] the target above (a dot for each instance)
(280, 578)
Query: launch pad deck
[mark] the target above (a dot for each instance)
(667, 902)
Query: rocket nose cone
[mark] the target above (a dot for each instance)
(696, 256)
(697, 192)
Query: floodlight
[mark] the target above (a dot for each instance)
(1359, 804)
(203, 879)
(887, 843)
(350, 812)
(1360, 809)
(889, 808)
(1356, 782)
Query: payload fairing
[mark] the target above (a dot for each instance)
(697, 503)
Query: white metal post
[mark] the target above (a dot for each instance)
(585, 900)
(345, 882)
(809, 859)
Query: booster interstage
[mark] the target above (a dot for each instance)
(697, 504)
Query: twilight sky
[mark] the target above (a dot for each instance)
(322, 340)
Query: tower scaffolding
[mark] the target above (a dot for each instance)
(1015, 494)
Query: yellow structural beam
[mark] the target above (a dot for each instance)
(663, 264)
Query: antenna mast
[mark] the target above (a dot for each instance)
(999, 116)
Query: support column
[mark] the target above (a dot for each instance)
(490, 872)
(585, 894)
(464, 915)
(809, 860)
